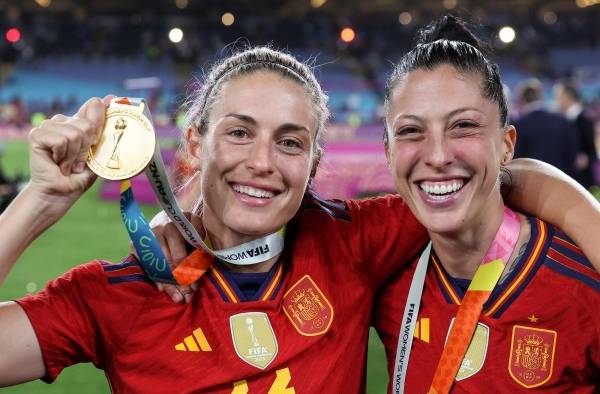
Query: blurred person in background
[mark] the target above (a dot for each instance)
(570, 105)
(544, 135)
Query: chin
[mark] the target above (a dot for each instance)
(442, 223)
(250, 225)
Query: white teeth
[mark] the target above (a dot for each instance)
(253, 192)
(438, 190)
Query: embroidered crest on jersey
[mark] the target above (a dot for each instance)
(253, 338)
(307, 308)
(531, 355)
(475, 355)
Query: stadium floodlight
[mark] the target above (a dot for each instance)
(227, 19)
(449, 4)
(13, 35)
(176, 35)
(347, 34)
(507, 34)
(181, 4)
(405, 18)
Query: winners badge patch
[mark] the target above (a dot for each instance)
(307, 308)
(531, 355)
(253, 338)
(475, 355)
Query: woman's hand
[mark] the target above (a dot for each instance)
(59, 176)
(173, 247)
(58, 149)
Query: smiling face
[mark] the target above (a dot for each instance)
(445, 148)
(256, 155)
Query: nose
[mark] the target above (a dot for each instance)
(260, 160)
(437, 151)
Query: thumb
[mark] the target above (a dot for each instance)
(83, 179)
(93, 111)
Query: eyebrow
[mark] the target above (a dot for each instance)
(459, 110)
(451, 114)
(282, 128)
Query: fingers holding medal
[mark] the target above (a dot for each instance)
(59, 146)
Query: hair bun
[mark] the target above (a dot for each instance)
(449, 28)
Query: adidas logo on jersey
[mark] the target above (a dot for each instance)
(422, 329)
(194, 343)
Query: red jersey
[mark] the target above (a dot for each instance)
(307, 333)
(539, 329)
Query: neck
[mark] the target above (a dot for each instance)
(524, 235)
(265, 266)
(223, 237)
(461, 252)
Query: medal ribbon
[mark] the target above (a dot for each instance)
(470, 308)
(146, 245)
(462, 330)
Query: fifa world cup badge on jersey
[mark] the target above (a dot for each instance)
(253, 338)
(307, 308)
(475, 355)
(531, 355)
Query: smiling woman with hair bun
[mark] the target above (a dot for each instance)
(509, 302)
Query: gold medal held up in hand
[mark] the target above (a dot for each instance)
(126, 145)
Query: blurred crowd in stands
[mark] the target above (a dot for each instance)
(63, 58)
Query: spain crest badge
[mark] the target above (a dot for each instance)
(531, 355)
(253, 338)
(307, 308)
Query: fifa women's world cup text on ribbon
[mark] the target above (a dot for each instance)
(127, 147)
(482, 285)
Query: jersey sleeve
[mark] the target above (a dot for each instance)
(385, 236)
(71, 317)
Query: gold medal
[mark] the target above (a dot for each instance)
(126, 146)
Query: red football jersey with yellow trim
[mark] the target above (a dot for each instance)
(307, 333)
(539, 329)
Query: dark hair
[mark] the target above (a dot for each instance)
(448, 40)
(570, 88)
(530, 91)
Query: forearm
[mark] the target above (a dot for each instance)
(546, 192)
(21, 223)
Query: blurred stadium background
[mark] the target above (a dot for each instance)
(55, 54)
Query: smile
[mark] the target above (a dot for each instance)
(253, 191)
(443, 189)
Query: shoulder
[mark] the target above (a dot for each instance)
(127, 270)
(388, 209)
(568, 262)
(317, 207)
(101, 277)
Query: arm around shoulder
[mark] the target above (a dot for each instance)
(546, 192)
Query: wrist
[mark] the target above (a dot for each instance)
(44, 209)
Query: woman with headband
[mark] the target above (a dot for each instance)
(500, 301)
(297, 322)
